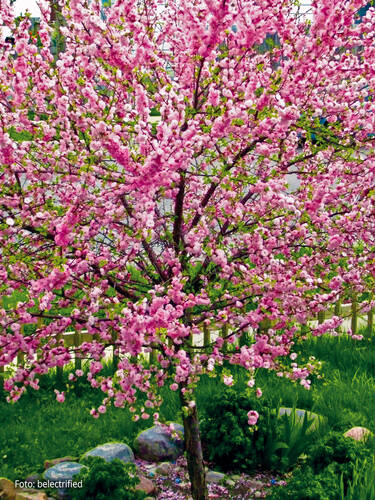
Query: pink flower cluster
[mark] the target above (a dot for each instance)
(252, 416)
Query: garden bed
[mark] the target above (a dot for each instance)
(343, 395)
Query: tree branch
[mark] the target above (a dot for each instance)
(214, 185)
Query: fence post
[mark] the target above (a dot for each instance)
(337, 312)
(224, 332)
(370, 320)
(321, 317)
(59, 369)
(153, 356)
(20, 358)
(206, 335)
(39, 324)
(337, 309)
(354, 322)
(21, 355)
(115, 357)
(77, 343)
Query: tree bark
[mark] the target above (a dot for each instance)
(194, 453)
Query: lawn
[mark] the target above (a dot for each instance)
(38, 427)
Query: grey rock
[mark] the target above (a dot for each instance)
(163, 469)
(110, 451)
(63, 471)
(255, 484)
(214, 477)
(316, 419)
(156, 444)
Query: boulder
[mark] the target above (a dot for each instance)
(63, 471)
(156, 444)
(163, 469)
(31, 495)
(358, 433)
(214, 477)
(146, 485)
(255, 484)
(7, 489)
(33, 478)
(110, 451)
(55, 461)
(317, 420)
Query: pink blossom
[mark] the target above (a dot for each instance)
(306, 383)
(60, 396)
(252, 417)
(63, 235)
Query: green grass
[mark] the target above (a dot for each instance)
(38, 427)
(344, 394)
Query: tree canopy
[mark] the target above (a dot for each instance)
(145, 184)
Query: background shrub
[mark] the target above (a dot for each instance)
(305, 485)
(338, 452)
(103, 480)
(227, 439)
(335, 469)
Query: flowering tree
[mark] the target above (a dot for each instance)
(140, 230)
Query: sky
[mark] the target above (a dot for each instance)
(31, 5)
(21, 5)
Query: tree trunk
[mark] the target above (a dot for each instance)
(194, 453)
(56, 14)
